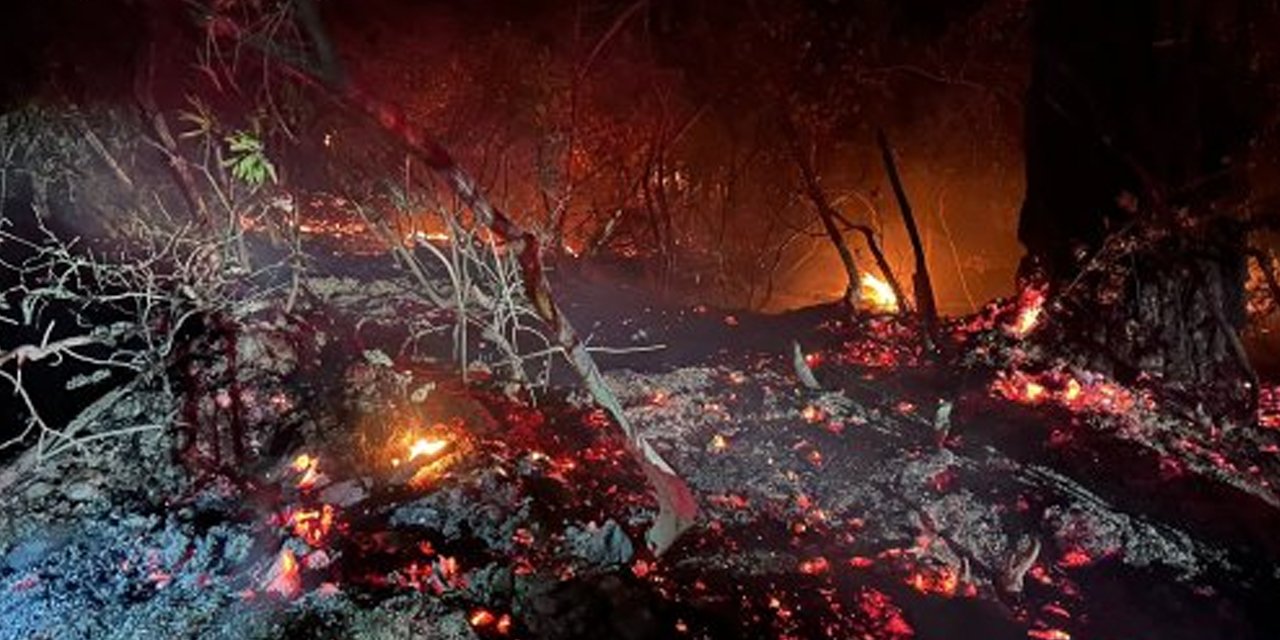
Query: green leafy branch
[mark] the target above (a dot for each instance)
(248, 160)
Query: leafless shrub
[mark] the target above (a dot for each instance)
(483, 290)
(110, 307)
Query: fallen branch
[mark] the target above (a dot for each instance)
(803, 371)
(35, 353)
(144, 95)
(1017, 564)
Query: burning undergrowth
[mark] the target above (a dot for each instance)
(381, 499)
(1089, 408)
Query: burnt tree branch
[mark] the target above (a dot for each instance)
(826, 213)
(920, 280)
(882, 261)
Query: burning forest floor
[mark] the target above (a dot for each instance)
(339, 486)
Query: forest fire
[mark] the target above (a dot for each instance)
(876, 320)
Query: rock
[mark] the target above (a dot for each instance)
(453, 627)
(31, 552)
(81, 492)
(38, 490)
(607, 606)
(491, 583)
(600, 546)
(344, 494)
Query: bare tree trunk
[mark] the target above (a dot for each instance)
(1135, 117)
(920, 280)
(144, 94)
(852, 291)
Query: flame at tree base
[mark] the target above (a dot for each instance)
(877, 295)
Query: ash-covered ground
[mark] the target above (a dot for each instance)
(996, 491)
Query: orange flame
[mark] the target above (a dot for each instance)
(306, 464)
(482, 618)
(429, 447)
(878, 294)
(286, 580)
(943, 582)
(430, 451)
(312, 525)
(1030, 311)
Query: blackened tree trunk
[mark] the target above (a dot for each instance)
(1137, 116)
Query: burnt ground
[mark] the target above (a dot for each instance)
(908, 497)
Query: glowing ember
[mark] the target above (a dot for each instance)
(718, 443)
(884, 614)
(1072, 391)
(812, 414)
(1030, 311)
(943, 582)
(1092, 394)
(312, 525)
(813, 359)
(1269, 407)
(430, 236)
(307, 465)
(878, 294)
(815, 458)
(815, 566)
(1048, 634)
(1074, 558)
(1033, 392)
(482, 618)
(285, 580)
(641, 568)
